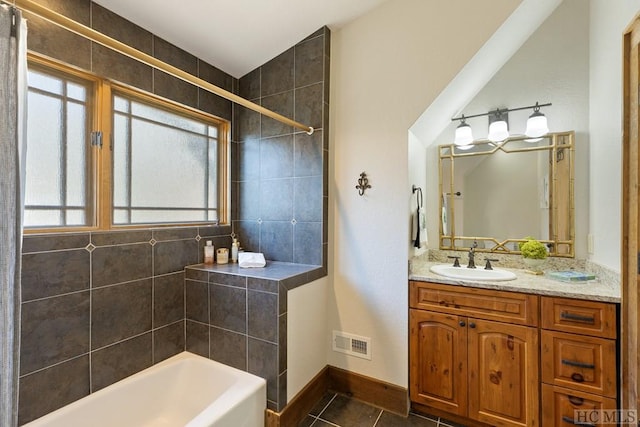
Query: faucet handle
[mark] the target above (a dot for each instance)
(456, 263)
(488, 264)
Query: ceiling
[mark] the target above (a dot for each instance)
(238, 36)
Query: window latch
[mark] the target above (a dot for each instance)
(96, 139)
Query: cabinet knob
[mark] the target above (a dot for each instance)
(472, 325)
(577, 377)
(461, 323)
(576, 401)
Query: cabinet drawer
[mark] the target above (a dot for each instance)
(578, 316)
(579, 362)
(564, 407)
(510, 307)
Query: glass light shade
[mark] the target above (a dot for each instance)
(498, 131)
(537, 125)
(464, 135)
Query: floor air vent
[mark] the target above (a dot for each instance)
(352, 344)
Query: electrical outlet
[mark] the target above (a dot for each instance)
(590, 243)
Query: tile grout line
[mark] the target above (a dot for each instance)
(378, 419)
(326, 406)
(246, 324)
(184, 310)
(208, 317)
(54, 364)
(153, 299)
(314, 420)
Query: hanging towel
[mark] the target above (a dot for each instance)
(419, 221)
(419, 228)
(251, 259)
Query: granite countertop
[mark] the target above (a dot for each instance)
(593, 290)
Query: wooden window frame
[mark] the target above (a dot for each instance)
(101, 176)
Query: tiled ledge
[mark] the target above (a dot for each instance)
(238, 316)
(288, 274)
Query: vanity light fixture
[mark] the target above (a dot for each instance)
(464, 136)
(536, 124)
(499, 128)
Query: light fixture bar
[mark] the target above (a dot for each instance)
(500, 111)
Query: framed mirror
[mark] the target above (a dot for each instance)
(497, 194)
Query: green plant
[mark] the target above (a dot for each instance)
(526, 239)
(533, 249)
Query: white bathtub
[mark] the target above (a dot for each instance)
(185, 390)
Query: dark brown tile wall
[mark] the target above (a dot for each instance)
(241, 322)
(280, 174)
(65, 382)
(98, 307)
(51, 40)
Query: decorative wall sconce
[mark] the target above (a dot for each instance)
(499, 126)
(363, 184)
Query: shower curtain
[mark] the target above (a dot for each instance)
(13, 81)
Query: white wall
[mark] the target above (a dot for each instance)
(306, 333)
(386, 68)
(608, 21)
(551, 66)
(417, 157)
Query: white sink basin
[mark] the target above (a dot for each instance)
(479, 273)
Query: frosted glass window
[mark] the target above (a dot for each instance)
(165, 165)
(58, 159)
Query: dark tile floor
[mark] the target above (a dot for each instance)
(341, 411)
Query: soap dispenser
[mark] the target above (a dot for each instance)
(208, 252)
(234, 250)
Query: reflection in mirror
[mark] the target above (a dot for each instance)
(498, 194)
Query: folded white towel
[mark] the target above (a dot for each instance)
(251, 259)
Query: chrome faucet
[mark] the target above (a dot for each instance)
(472, 255)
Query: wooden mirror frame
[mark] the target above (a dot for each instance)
(560, 144)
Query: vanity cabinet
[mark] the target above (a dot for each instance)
(474, 353)
(578, 354)
(509, 358)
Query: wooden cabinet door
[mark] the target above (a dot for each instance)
(503, 373)
(438, 360)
